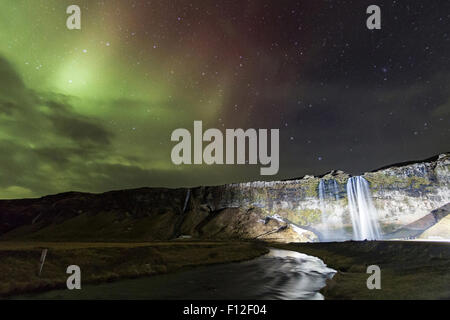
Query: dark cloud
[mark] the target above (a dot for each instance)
(81, 130)
(38, 144)
(10, 81)
(7, 107)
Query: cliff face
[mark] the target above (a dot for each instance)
(294, 210)
(401, 195)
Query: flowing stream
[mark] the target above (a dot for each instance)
(281, 274)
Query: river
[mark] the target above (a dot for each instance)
(280, 274)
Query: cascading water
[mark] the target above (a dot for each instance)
(362, 211)
(322, 208)
(328, 189)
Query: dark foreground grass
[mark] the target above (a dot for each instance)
(100, 262)
(409, 270)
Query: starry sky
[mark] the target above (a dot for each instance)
(93, 109)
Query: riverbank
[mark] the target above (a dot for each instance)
(409, 269)
(103, 262)
(278, 275)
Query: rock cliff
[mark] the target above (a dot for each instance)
(306, 209)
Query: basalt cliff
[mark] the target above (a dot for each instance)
(410, 201)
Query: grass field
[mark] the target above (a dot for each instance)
(409, 269)
(100, 262)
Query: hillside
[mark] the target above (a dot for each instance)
(291, 210)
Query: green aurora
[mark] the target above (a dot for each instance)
(93, 109)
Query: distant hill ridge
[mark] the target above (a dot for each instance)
(286, 210)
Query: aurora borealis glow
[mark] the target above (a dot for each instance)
(92, 110)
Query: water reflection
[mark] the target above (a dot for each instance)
(281, 274)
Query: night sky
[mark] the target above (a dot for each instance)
(93, 109)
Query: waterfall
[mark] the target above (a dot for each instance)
(328, 189)
(322, 195)
(335, 189)
(363, 213)
(323, 217)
